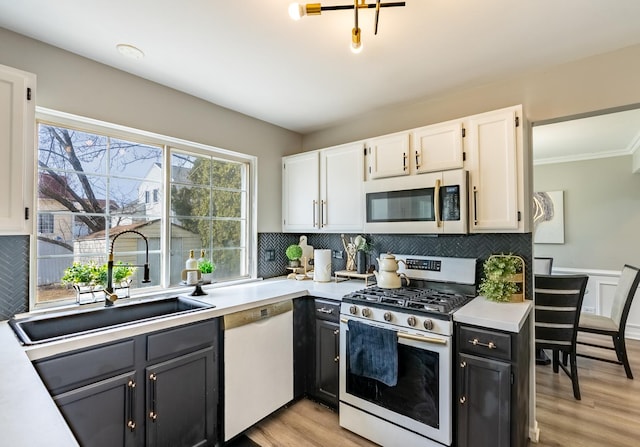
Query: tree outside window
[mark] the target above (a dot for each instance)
(91, 187)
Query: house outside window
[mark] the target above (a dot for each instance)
(45, 223)
(98, 181)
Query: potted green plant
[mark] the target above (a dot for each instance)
(294, 253)
(81, 274)
(503, 278)
(206, 268)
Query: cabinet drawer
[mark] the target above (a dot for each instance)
(80, 368)
(181, 339)
(327, 310)
(485, 343)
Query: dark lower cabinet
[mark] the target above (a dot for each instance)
(179, 401)
(158, 389)
(327, 351)
(492, 387)
(484, 403)
(327, 361)
(101, 414)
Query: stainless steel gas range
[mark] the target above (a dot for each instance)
(396, 353)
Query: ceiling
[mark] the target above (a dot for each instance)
(604, 135)
(249, 56)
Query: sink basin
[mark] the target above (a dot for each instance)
(45, 328)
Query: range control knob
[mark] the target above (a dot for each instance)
(353, 310)
(387, 316)
(411, 321)
(428, 324)
(366, 312)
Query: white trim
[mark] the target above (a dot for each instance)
(583, 157)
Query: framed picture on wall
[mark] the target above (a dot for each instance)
(548, 217)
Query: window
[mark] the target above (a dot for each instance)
(45, 223)
(97, 181)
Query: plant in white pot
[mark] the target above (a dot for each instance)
(206, 268)
(294, 253)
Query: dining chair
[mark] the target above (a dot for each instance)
(542, 266)
(558, 299)
(614, 326)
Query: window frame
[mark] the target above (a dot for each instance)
(167, 143)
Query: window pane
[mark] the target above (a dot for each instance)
(135, 160)
(190, 169)
(227, 203)
(71, 150)
(190, 201)
(227, 174)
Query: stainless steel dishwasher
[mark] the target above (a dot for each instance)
(258, 364)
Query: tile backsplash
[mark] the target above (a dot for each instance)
(14, 256)
(14, 275)
(479, 246)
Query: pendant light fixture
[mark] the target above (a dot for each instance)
(297, 11)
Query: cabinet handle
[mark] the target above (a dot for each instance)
(323, 214)
(463, 388)
(152, 414)
(324, 310)
(315, 222)
(131, 396)
(475, 205)
(417, 161)
(476, 342)
(404, 161)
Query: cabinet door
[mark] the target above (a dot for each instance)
(389, 156)
(301, 192)
(341, 188)
(181, 398)
(102, 414)
(493, 171)
(17, 120)
(438, 147)
(327, 358)
(484, 402)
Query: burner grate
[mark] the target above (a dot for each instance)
(419, 299)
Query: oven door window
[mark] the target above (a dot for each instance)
(413, 205)
(417, 393)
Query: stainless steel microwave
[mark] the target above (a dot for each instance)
(430, 203)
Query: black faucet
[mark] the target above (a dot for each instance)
(111, 297)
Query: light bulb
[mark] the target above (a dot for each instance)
(296, 11)
(356, 43)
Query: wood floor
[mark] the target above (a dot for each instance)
(607, 416)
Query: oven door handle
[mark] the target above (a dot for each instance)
(413, 337)
(422, 338)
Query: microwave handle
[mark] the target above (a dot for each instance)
(436, 203)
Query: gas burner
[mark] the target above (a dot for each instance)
(425, 300)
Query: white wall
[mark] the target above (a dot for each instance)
(73, 84)
(595, 83)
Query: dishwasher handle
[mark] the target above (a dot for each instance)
(256, 314)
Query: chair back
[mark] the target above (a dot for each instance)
(542, 266)
(558, 299)
(623, 296)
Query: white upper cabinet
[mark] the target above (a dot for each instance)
(499, 186)
(389, 156)
(438, 147)
(301, 192)
(323, 190)
(17, 136)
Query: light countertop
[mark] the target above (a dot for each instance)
(503, 316)
(30, 416)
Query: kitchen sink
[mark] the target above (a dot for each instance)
(50, 327)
